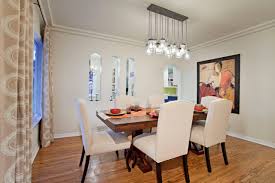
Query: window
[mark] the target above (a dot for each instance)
(95, 77)
(37, 79)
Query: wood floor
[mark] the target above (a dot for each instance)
(248, 162)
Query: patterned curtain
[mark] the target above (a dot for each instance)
(16, 64)
(47, 121)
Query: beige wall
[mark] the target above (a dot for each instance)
(70, 58)
(71, 54)
(256, 120)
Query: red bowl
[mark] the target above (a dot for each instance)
(199, 107)
(115, 111)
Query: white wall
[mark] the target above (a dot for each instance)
(70, 58)
(256, 120)
(37, 23)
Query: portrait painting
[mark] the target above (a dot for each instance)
(221, 78)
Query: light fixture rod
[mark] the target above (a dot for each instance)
(150, 26)
(156, 26)
(174, 31)
(186, 33)
(178, 27)
(167, 28)
(161, 32)
(182, 32)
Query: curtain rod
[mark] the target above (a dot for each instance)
(38, 4)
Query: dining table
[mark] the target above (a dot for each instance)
(134, 123)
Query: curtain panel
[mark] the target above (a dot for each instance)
(16, 60)
(46, 134)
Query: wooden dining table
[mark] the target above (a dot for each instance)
(134, 124)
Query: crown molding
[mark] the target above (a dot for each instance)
(108, 37)
(97, 35)
(50, 11)
(245, 32)
(43, 12)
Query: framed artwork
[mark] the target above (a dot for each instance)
(220, 77)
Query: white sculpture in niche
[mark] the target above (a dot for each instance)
(115, 77)
(95, 70)
(130, 77)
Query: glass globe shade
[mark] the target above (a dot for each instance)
(173, 49)
(187, 55)
(152, 45)
(162, 43)
(148, 51)
(179, 53)
(159, 50)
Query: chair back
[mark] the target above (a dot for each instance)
(155, 101)
(84, 122)
(205, 101)
(217, 121)
(124, 101)
(173, 130)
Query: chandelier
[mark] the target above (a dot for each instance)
(166, 33)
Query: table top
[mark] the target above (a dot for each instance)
(133, 123)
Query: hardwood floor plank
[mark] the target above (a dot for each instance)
(248, 162)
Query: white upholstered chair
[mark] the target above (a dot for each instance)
(124, 101)
(155, 101)
(97, 142)
(214, 130)
(96, 123)
(172, 137)
(205, 101)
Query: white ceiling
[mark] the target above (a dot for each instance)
(208, 19)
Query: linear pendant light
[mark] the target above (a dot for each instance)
(167, 39)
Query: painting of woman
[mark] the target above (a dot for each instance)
(218, 78)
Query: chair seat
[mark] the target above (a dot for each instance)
(197, 134)
(108, 141)
(147, 144)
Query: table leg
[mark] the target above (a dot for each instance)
(128, 158)
(196, 148)
(139, 157)
(142, 161)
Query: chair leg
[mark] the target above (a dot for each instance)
(85, 168)
(82, 156)
(206, 152)
(117, 155)
(224, 153)
(128, 158)
(185, 167)
(159, 177)
(125, 153)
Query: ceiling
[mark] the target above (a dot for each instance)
(208, 19)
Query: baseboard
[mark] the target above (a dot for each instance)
(232, 134)
(68, 134)
(35, 152)
(251, 139)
